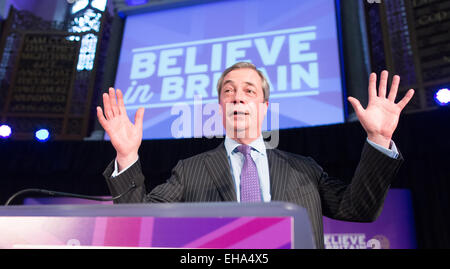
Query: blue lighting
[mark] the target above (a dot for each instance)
(136, 2)
(42, 135)
(5, 131)
(442, 96)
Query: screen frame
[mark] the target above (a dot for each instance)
(151, 7)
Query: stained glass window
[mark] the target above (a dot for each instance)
(86, 18)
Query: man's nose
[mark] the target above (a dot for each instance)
(239, 97)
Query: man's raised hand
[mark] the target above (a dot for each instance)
(125, 136)
(381, 116)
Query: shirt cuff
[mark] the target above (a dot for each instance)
(116, 168)
(392, 152)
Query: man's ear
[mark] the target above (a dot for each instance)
(220, 107)
(266, 103)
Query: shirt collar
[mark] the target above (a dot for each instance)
(258, 145)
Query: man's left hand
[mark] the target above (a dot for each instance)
(381, 116)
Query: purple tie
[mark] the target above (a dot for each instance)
(250, 191)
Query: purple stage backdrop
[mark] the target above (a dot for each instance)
(393, 229)
(171, 60)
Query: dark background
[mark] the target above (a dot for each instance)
(422, 139)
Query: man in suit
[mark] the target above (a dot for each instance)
(242, 169)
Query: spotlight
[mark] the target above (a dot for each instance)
(42, 135)
(5, 131)
(442, 96)
(136, 2)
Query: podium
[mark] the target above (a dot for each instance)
(222, 225)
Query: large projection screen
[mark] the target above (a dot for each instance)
(170, 62)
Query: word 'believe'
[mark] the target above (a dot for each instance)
(182, 71)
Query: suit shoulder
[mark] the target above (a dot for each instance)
(294, 159)
(201, 156)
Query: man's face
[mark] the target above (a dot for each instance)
(242, 103)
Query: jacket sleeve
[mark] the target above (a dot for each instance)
(170, 191)
(361, 200)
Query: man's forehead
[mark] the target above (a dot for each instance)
(243, 75)
(232, 82)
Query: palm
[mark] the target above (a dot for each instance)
(381, 116)
(125, 136)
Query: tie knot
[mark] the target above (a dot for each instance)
(244, 149)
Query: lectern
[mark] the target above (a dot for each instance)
(222, 225)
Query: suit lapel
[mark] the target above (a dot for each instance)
(219, 167)
(279, 170)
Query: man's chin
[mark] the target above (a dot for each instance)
(244, 132)
(240, 127)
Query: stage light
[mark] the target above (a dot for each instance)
(5, 131)
(442, 96)
(42, 135)
(136, 2)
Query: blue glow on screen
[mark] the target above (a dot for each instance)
(176, 56)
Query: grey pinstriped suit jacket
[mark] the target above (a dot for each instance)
(206, 177)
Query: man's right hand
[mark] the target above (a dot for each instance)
(125, 136)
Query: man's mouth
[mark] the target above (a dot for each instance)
(240, 113)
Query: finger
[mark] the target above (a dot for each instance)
(101, 118)
(405, 100)
(372, 85)
(139, 118)
(107, 106)
(120, 103)
(394, 88)
(356, 105)
(112, 99)
(383, 84)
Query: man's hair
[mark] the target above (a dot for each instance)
(241, 65)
